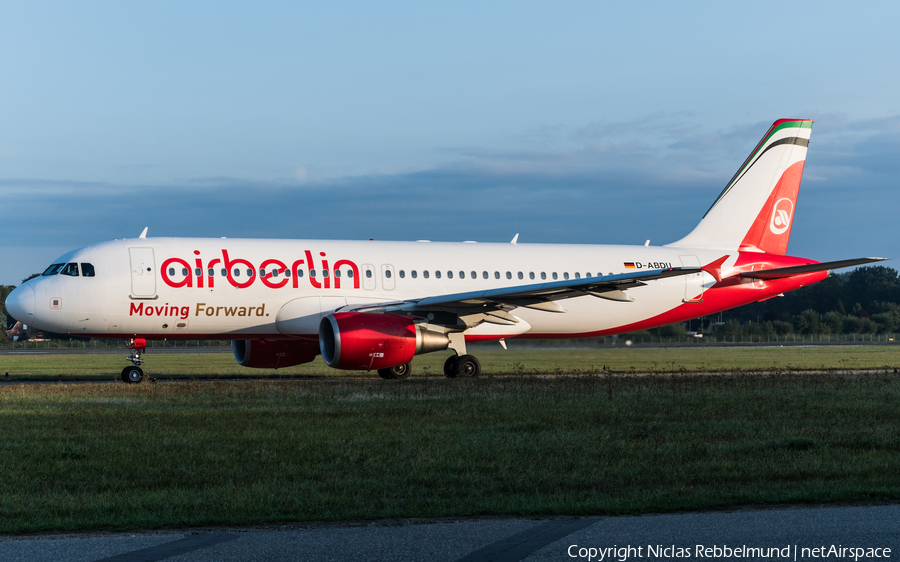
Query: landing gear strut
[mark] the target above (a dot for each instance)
(134, 374)
(462, 366)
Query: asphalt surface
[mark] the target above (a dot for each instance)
(784, 532)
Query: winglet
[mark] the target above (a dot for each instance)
(715, 268)
(515, 238)
(144, 234)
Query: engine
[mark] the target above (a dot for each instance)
(273, 354)
(365, 341)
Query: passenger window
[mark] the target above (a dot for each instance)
(184, 271)
(509, 274)
(369, 274)
(496, 275)
(249, 273)
(449, 275)
(566, 275)
(262, 272)
(425, 274)
(402, 274)
(224, 272)
(87, 270)
(577, 275)
(414, 274)
(198, 272)
(337, 273)
(474, 275)
(462, 274)
(350, 273)
(387, 273)
(53, 269)
(521, 275)
(531, 275)
(211, 272)
(300, 273)
(324, 273)
(312, 273)
(555, 276)
(484, 274)
(275, 272)
(543, 275)
(287, 273)
(437, 274)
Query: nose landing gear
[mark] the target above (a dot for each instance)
(134, 373)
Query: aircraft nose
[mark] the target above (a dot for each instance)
(20, 303)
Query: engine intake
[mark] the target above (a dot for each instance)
(366, 341)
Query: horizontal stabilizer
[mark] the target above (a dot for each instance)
(809, 268)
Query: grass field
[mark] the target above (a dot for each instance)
(494, 360)
(77, 457)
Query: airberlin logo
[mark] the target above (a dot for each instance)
(781, 216)
(273, 273)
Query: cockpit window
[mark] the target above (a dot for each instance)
(70, 269)
(53, 269)
(87, 270)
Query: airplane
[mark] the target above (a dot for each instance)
(375, 305)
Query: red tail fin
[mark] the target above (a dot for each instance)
(772, 228)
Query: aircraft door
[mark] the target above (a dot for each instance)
(368, 276)
(693, 282)
(387, 277)
(143, 274)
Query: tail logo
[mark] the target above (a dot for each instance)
(781, 216)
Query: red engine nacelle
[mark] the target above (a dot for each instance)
(273, 354)
(365, 341)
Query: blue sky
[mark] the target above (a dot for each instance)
(581, 122)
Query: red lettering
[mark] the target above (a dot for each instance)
(265, 278)
(318, 278)
(229, 267)
(136, 309)
(211, 267)
(199, 271)
(325, 271)
(353, 267)
(186, 282)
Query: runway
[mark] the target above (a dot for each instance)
(757, 533)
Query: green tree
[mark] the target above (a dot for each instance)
(807, 322)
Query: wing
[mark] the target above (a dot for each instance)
(540, 296)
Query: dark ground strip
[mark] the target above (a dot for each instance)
(174, 548)
(521, 545)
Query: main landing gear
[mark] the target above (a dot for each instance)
(396, 372)
(133, 374)
(462, 366)
(456, 366)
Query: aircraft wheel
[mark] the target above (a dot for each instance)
(450, 366)
(468, 366)
(395, 372)
(132, 375)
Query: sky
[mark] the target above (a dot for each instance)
(568, 122)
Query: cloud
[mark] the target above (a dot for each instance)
(614, 183)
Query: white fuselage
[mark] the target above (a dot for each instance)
(140, 287)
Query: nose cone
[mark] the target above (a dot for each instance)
(20, 303)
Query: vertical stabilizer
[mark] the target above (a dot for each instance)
(755, 211)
